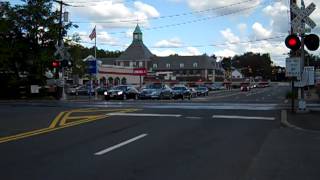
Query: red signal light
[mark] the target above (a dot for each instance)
(55, 63)
(293, 42)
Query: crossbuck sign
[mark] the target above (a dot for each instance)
(302, 15)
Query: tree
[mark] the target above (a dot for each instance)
(30, 31)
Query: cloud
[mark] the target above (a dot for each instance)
(147, 9)
(229, 36)
(279, 17)
(116, 14)
(174, 42)
(189, 51)
(225, 53)
(260, 31)
(230, 5)
(102, 38)
(235, 45)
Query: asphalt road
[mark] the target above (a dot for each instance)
(100, 141)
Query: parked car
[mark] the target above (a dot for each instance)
(193, 92)
(181, 92)
(122, 92)
(85, 90)
(202, 91)
(71, 89)
(263, 84)
(156, 91)
(101, 90)
(245, 86)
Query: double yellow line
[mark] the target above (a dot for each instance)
(63, 117)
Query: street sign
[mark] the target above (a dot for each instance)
(92, 67)
(140, 71)
(308, 75)
(293, 67)
(302, 15)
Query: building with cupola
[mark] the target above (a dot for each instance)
(174, 68)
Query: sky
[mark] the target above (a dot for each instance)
(188, 27)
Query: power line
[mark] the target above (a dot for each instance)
(208, 45)
(167, 16)
(98, 1)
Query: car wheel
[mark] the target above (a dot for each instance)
(106, 98)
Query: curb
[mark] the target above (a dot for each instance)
(285, 123)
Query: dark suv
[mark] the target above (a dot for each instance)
(181, 92)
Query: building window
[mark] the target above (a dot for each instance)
(140, 64)
(168, 65)
(181, 65)
(131, 64)
(121, 63)
(155, 66)
(195, 65)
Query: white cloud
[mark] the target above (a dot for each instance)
(174, 42)
(279, 17)
(117, 14)
(189, 51)
(102, 37)
(230, 5)
(260, 31)
(225, 53)
(229, 36)
(147, 9)
(165, 52)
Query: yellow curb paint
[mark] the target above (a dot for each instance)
(53, 127)
(64, 119)
(56, 120)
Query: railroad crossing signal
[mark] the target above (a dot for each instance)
(302, 16)
(293, 42)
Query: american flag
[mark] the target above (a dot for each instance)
(93, 34)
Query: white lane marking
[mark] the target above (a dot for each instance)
(119, 145)
(141, 114)
(191, 117)
(243, 117)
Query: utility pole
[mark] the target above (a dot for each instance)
(292, 16)
(60, 44)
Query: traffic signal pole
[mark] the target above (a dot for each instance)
(292, 79)
(302, 102)
(60, 41)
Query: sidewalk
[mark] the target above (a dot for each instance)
(308, 121)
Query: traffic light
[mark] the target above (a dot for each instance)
(66, 63)
(312, 42)
(293, 42)
(55, 63)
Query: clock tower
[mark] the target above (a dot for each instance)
(137, 34)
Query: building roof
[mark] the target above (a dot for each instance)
(107, 61)
(136, 51)
(203, 62)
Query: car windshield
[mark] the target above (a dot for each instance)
(179, 88)
(122, 88)
(154, 86)
(201, 88)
